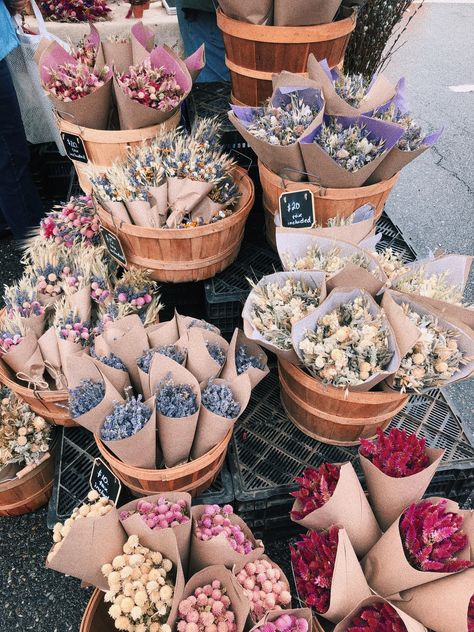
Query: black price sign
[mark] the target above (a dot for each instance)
(297, 209)
(74, 147)
(104, 481)
(113, 245)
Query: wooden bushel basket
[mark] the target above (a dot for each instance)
(27, 494)
(255, 52)
(330, 414)
(193, 477)
(103, 147)
(328, 203)
(95, 617)
(175, 255)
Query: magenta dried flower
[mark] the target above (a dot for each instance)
(432, 536)
(72, 82)
(74, 10)
(285, 623)
(470, 615)
(208, 609)
(160, 514)
(313, 559)
(397, 454)
(379, 617)
(265, 587)
(316, 488)
(215, 520)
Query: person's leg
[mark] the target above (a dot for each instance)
(20, 202)
(198, 27)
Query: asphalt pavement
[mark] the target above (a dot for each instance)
(432, 203)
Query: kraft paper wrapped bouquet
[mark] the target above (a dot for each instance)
(280, 12)
(75, 10)
(376, 614)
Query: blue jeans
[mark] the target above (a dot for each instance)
(198, 27)
(20, 203)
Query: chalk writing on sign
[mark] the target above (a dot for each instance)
(297, 209)
(104, 481)
(74, 147)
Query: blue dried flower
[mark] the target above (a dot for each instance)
(244, 360)
(85, 397)
(125, 420)
(170, 351)
(216, 353)
(203, 324)
(219, 399)
(175, 400)
(112, 360)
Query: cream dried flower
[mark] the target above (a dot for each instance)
(391, 263)
(348, 346)
(275, 308)
(330, 262)
(435, 286)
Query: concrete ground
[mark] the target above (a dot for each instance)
(433, 204)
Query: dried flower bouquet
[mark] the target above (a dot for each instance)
(75, 10)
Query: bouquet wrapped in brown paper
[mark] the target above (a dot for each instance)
(74, 335)
(148, 519)
(398, 469)
(276, 303)
(185, 323)
(112, 367)
(424, 544)
(207, 353)
(177, 352)
(91, 537)
(274, 615)
(350, 95)
(333, 341)
(344, 263)
(238, 546)
(337, 498)
(443, 605)
(178, 400)
(374, 609)
(142, 41)
(327, 573)
(166, 333)
(354, 229)
(222, 403)
(245, 356)
(48, 344)
(252, 11)
(273, 130)
(304, 12)
(19, 349)
(343, 151)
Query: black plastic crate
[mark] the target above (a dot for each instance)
(392, 237)
(267, 451)
(74, 461)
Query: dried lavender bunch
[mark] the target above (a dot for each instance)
(203, 324)
(22, 297)
(351, 88)
(244, 360)
(283, 124)
(85, 397)
(175, 400)
(350, 147)
(216, 353)
(329, 262)
(412, 137)
(348, 346)
(125, 420)
(170, 351)
(111, 360)
(219, 399)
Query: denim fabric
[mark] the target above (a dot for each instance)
(199, 27)
(20, 203)
(8, 38)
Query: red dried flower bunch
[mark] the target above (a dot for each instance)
(379, 617)
(313, 561)
(396, 454)
(74, 10)
(316, 488)
(432, 536)
(470, 616)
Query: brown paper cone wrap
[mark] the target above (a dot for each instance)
(252, 11)
(212, 428)
(126, 338)
(91, 543)
(118, 55)
(139, 450)
(118, 378)
(185, 323)
(394, 162)
(36, 324)
(26, 361)
(206, 210)
(310, 279)
(390, 496)
(142, 41)
(347, 507)
(205, 553)
(118, 210)
(163, 333)
(410, 623)
(153, 538)
(387, 569)
(176, 434)
(229, 372)
(140, 212)
(380, 92)
(48, 344)
(91, 111)
(46, 300)
(69, 349)
(81, 301)
(304, 12)
(184, 195)
(85, 367)
(199, 361)
(441, 605)
(159, 204)
(334, 300)
(403, 327)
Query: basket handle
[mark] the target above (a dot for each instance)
(284, 181)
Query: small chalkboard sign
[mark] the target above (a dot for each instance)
(113, 245)
(104, 481)
(297, 209)
(74, 147)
